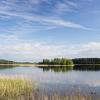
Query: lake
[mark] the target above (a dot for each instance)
(58, 79)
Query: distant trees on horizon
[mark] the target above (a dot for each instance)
(6, 62)
(86, 61)
(57, 61)
(65, 61)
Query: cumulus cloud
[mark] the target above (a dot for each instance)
(32, 50)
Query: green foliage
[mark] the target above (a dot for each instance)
(6, 62)
(57, 61)
(86, 61)
(2, 61)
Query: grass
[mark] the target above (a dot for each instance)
(15, 89)
(21, 89)
(57, 96)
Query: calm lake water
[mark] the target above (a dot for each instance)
(58, 79)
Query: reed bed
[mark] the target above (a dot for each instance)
(57, 96)
(15, 89)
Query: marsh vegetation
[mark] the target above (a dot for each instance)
(21, 89)
(15, 89)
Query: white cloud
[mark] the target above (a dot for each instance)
(65, 6)
(11, 9)
(8, 38)
(30, 50)
(62, 7)
(64, 23)
(13, 47)
(46, 20)
(70, 3)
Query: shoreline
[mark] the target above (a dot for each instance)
(43, 65)
(32, 65)
(86, 64)
(47, 65)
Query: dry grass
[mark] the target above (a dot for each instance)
(21, 89)
(15, 89)
(56, 96)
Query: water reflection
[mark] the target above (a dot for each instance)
(69, 68)
(48, 78)
(57, 68)
(60, 68)
(7, 66)
(87, 67)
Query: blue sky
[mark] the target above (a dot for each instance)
(31, 30)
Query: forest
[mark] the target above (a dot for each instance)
(58, 61)
(86, 61)
(2, 61)
(76, 61)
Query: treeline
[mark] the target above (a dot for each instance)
(57, 61)
(2, 61)
(24, 63)
(6, 62)
(64, 61)
(86, 61)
